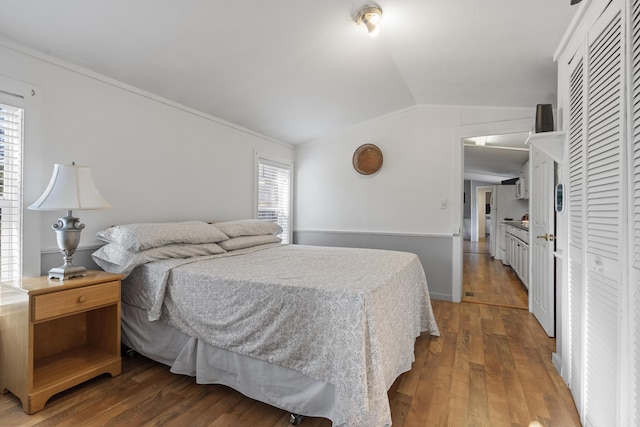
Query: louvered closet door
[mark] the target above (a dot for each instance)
(634, 280)
(576, 214)
(605, 103)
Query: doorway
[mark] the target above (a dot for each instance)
(485, 279)
(483, 213)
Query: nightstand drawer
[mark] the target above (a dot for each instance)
(74, 300)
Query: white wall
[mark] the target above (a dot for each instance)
(422, 167)
(406, 194)
(151, 159)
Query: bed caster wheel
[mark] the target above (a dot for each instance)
(128, 352)
(295, 419)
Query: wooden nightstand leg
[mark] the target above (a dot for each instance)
(29, 407)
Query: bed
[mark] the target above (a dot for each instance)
(316, 331)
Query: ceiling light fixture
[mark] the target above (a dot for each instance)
(370, 16)
(481, 140)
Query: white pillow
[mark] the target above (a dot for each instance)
(248, 227)
(141, 236)
(243, 242)
(116, 259)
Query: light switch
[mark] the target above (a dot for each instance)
(443, 204)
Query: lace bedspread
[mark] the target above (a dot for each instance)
(341, 315)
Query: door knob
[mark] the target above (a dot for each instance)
(547, 237)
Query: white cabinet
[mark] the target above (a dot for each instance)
(522, 184)
(521, 188)
(510, 257)
(501, 247)
(524, 264)
(517, 252)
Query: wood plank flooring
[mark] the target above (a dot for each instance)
(487, 281)
(491, 366)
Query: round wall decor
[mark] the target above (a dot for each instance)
(367, 159)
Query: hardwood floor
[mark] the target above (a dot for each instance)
(491, 366)
(487, 281)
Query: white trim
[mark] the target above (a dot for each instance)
(571, 30)
(30, 99)
(377, 233)
(80, 248)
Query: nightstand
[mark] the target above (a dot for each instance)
(57, 334)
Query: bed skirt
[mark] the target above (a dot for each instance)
(275, 385)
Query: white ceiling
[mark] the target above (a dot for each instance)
(299, 70)
(501, 157)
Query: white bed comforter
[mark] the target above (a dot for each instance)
(345, 316)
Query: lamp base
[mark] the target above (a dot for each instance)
(67, 272)
(68, 231)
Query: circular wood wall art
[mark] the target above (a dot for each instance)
(367, 159)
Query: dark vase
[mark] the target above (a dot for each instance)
(544, 118)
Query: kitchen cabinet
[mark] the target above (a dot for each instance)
(517, 252)
(522, 190)
(522, 184)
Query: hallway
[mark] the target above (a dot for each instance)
(487, 281)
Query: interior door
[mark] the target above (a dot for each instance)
(541, 231)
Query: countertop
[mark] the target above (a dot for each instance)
(522, 225)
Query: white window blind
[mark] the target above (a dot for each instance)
(11, 126)
(274, 194)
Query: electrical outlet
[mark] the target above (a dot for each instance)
(443, 204)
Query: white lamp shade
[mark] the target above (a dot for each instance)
(71, 188)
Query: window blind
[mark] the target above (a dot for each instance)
(274, 195)
(11, 131)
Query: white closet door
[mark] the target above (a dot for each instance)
(576, 220)
(604, 206)
(634, 197)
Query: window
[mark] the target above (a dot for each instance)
(10, 191)
(273, 194)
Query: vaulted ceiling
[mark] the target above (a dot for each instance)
(299, 70)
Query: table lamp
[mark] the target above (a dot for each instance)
(71, 188)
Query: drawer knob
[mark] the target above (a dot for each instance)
(82, 299)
